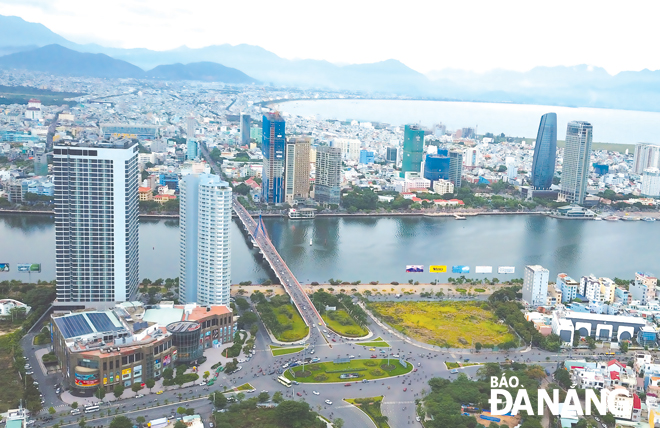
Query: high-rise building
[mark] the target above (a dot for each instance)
(472, 157)
(41, 164)
(296, 170)
(436, 167)
(511, 168)
(576, 163)
(545, 152)
(272, 148)
(192, 152)
(245, 129)
(439, 129)
(647, 155)
(455, 167)
(327, 187)
(350, 148)
(366, 157)
(651, 182)
(204, 240)
(535, 285)
(96, 221)
(191, 123)
(413, 149)
(391, 154)
(467, 133)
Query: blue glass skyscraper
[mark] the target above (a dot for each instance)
(545, 152)
(272, 146)
(436, 167)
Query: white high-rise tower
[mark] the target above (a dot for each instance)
(205, 257)
(96, 221)
(575, 170)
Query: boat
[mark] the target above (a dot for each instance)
(458, 217)
(611, 218)
(630, 218)
(310, 242)
(598, 218)
(648, 219)
(301, 213)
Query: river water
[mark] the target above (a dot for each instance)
(378, 249)
(517, 120)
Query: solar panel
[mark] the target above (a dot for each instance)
(101, 322)
(74, 325)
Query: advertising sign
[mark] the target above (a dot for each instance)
(126, 374)
(460, 269)
(137, 371)
(4, 267)
(483, 269)
(87, 383)
(506, 269)
(28, 267)
(167, 360)
(86, 376)
(105, 381)
(414, 268)
(438, 268)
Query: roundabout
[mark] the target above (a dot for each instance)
(355, 370)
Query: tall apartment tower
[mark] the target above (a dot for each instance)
(647, 155)
(391, 154)
(535, 285)
(192, 151)
(327, 187)
(96, 221)
(545, 152)
(245, 129)
(576, 164)
(272, 148)
(413, 149)
(456, 168)
(204, 240)
(651, 182)
(296, 169)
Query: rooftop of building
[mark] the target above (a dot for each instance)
(123, 143)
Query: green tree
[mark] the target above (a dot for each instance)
(118, 390)
(242, 303)
(608, 419)
(278, 397)
(338, 423)
(74, 405)
(246, 319)
(168, 373)
(51, 410)
(219, 400)
(136, 387)
(99, 393)
(591, 342)
(190, 412)
(140, 419)
(478, 346)
(624, 346)
(121, 422)
(181, 410)
(150, 383)
(180, 424)
(240, 396)
(206, 375)
(288, 411)
(263, 397)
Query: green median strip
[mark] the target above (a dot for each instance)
(278, 350)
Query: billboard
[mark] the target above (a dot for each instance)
(28, 267)
(126, 374)
(4, 267)
(414, 268)
(87, 383)
(438, 268)
(506, 269)
(460, 269)
(483, 269)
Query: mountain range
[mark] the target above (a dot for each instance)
(30, 46)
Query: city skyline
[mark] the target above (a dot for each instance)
(168, 25)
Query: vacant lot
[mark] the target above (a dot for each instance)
(451, 324)
(341, 322)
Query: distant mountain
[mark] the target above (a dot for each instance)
(15, 33)
(204, 71)
(57, 59)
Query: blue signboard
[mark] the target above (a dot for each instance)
(4, 267)
(460, 269)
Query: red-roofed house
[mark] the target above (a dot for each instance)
(146, 194)
(614, 365)
(161, 199)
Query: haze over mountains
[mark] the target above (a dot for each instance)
(580, 85)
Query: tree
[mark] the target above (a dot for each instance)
(624, 346)
(99, 393)
(190, 412)
(168, 373)
(591, 342)
(263, 397)
(478, 346)
(121, 422)
(82, 423)
(136, 387)
(338, 423)
(51, 410)
(118, 390)
(219, 400)
(206, 375)
(278, 397)
(140, 420)
(74, 405)
(288, 411)
(608, 419)
(150, 384)
(181, 410)
(242, 303)
(180, 424)
(246, 319)
(240, 396)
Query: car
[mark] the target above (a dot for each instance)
(58, 390)
(325, 331)
(351, 356)
(405, 389)
(295, 382)
(29, 372)
(415, 369)
(312, 351)
(419, 364)
(159, 392)
(417, 418)
(372, 349)
(250, 391)
(596, 417)
(139, 396)
(316, 359)
(333, 339)
(383, 352)
(347, 384)
(374, 356)
(263, 390)
(35, 383)
(313, 325)
(299, 394)
(75, 412)
(48, 418)
(328, 402)
(395, 355)
(30, 422)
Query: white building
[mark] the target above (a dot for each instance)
(404, 185)
(6, 305)
(568, 286)
(511, 168)
(443, 186)
(350, 148)
(647, 155)
(651, 182)
(590, 288)
(33, 111)
(204, 240)
(472, 157)
(535, 285)
(96, 221)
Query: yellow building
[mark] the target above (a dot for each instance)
(146, 194)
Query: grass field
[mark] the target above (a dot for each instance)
(451, 324)
(288, 315)
(367, 369)
(278, 350)
(341, 322)
(245, 387)
(371, 407)
(375, 343)
(12, 390)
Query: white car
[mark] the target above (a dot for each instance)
(328, 402)
(312, 351)
(395, 355)
(139, 396)
(263, 390)
(417, 418)
(316, 393)
(351, 356)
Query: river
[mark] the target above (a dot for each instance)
(517, 120)
(378, 249)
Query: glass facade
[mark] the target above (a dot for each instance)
(272, 148)
(576, 163)
(436, 167)
(413, 149)
(545, 151)
(186, 337)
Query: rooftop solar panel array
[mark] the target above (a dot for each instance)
(74, 325)
(101, 322)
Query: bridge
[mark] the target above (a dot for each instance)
(257, 232)
(299, 297)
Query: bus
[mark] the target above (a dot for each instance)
(92, 409)
(284, 381)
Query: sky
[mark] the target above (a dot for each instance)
(428, 35)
